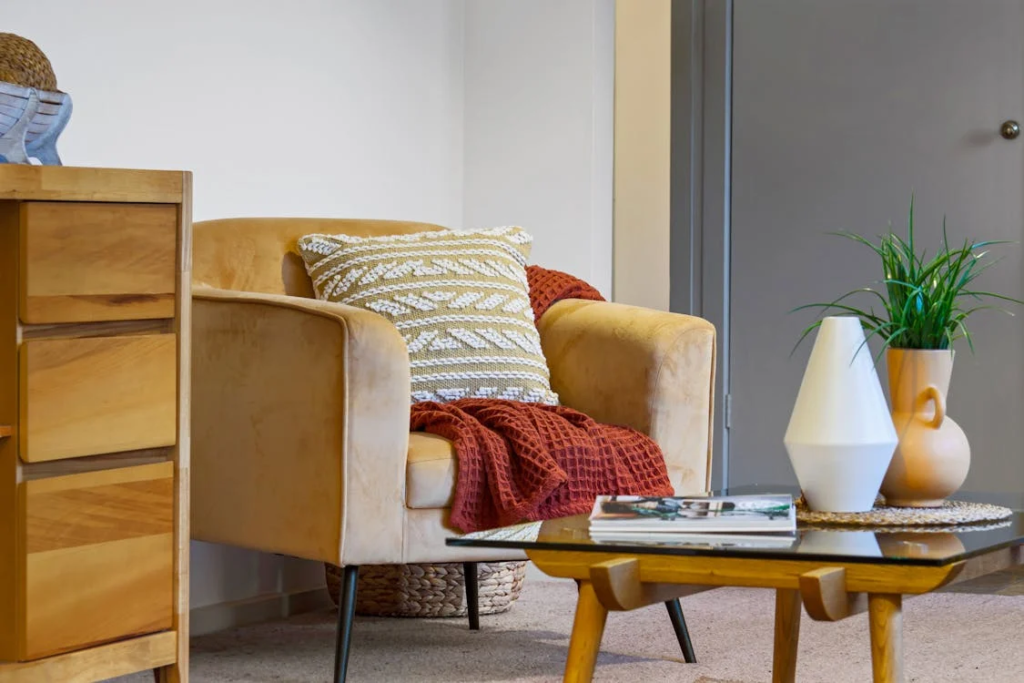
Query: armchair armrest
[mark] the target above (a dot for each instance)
(300, 427)
(646, 369)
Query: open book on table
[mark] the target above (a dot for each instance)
(750, 520)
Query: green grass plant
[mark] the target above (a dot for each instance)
(922, 303)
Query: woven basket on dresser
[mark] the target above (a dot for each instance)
(430, 590)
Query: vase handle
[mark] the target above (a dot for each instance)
(932, 393)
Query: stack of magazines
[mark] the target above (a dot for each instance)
(745, 521)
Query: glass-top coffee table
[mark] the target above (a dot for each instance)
(833, 573)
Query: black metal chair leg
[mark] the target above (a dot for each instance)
(675, 613)
(346, 611)
(472, 595)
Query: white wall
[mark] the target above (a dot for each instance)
(539, 99)
(308, 107)
(313, 107)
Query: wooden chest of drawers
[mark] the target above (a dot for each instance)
(94, 366)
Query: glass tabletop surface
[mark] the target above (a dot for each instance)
(879, 545)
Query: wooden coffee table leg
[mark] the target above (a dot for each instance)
(787, 635)
(587, 630)
(886, 614)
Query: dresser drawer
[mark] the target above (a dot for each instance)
(96, 395)
(96, 558)
(86, 262)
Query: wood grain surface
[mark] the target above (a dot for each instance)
(8, 417)
(757, 573)
(824, 595)
(886, 618)
(832, 588)
(97, 395)
(618, 587)
(98, 557)
(178, 671)
(95, 274)
(587, 630)
(84, 262)
(787, 635)
(96, 329)
(81, 184)
(95, 463)
(96, 664)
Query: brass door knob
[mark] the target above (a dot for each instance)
(1010, 130)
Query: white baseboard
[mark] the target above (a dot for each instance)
(257, 609)
(271, 606)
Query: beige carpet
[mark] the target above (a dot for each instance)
(948, 637)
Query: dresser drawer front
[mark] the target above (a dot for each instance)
(98, 557)
(87, 262)
(97, 395)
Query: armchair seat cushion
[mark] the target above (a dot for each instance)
(430, 472)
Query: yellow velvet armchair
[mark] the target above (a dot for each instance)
(300, 408)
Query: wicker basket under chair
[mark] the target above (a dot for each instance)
(430, 590)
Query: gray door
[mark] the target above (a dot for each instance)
(841, 110)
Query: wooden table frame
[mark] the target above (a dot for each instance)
(830, 591)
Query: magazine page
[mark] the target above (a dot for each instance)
(719, 540)
(719, 513)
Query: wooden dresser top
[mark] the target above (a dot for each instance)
(85, 184)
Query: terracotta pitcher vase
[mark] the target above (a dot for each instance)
(933, 455)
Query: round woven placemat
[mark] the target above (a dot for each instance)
(951, 513)
(921, 529)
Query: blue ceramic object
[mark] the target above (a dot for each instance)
(31, 120)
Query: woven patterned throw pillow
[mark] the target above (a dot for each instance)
(459, 298)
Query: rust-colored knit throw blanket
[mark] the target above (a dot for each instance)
(527, 462)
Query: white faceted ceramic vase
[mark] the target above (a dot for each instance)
(840, 437)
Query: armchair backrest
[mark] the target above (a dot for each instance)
(260, 254)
